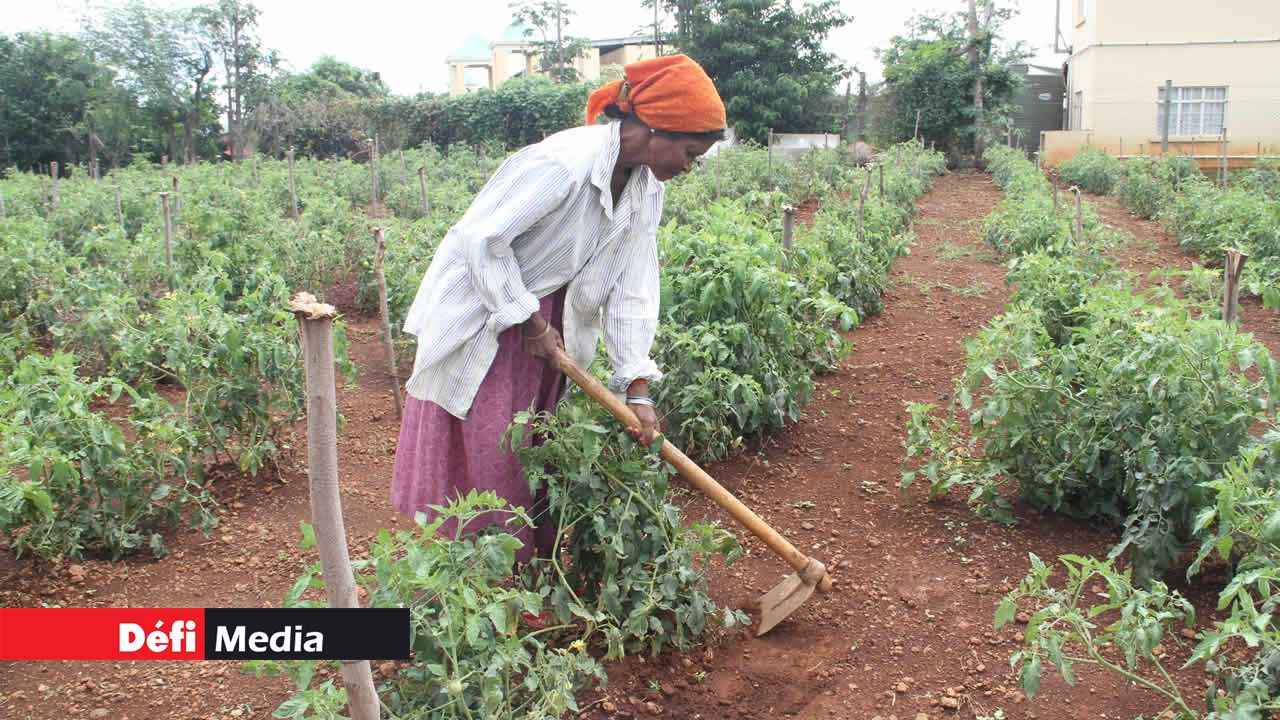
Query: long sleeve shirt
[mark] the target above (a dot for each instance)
(545, 220)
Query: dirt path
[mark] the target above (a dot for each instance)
(908, 633)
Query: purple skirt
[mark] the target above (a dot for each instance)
(440, 457)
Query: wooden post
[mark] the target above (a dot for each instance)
(168, 236)
(1168, 115)
(719, 170)
(164, 163)
(769, 149)
(1233, 265)
(862, 204)
(1077, 227)
(881, 167)
(316, 323)
(373, 177)
(788, 226)
(915, 134)
(1226, 163)
(404, 170)
(177, 199)
(120, 209)
(53, 179)
(426, 198)
(380, 242)
(293, 184)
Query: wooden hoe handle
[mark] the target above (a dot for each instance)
(691, 471)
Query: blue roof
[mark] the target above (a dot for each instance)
(515, 32)
(473, 47)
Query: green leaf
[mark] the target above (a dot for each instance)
(308, 535)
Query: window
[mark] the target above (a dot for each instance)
(1195, 111)
(1077, 111)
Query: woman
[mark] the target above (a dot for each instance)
(560, 243)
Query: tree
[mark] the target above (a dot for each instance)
(766, 59)
(165, 61)
(58, 103)
(953, 74)
(329, 109)
(556, 51)
(229, 26)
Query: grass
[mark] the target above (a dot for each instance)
(950, 251)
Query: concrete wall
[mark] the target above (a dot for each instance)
(628, 54)
(1059, 146)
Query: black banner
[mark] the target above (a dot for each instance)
(307, 633)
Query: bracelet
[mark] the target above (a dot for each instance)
(639, 400)
(540, 335)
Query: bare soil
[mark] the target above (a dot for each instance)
(905, 635)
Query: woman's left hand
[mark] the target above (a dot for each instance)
(648, 418)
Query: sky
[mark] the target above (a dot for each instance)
(407, 42)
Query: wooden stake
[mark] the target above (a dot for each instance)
(770, 152)
(862, 205)
(719, 170)
(380, 242)
(404, 170)
(426, 198)
(1233, 265)
(915, 134)
(177, 199)
(1168, 113)
(53, 178)
(164, 163)
(293, 185)
(1226, 163)
(168, 236)
(788, 226)
(373, 177)
(881, 167)
(316, 323)
(1077, 228)
(120, 209)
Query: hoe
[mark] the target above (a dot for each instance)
(783, 598)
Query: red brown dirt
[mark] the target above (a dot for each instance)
(906, 634)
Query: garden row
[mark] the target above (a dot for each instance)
(1126, 407)
(1204, 217)
(745, 325)
(128, 375)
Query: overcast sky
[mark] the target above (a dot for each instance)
(408, 41)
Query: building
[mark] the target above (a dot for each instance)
(1039, 105)
(478, 63)
(1220, 60)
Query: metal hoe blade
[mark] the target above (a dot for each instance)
(788, 595)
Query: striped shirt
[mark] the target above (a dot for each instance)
(545, 220)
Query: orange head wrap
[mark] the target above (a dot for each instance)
(671, 93)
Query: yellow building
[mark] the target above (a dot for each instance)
(478, 64)
(1222, 59)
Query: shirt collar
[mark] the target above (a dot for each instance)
(602, 171)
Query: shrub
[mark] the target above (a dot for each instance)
(1091, 170)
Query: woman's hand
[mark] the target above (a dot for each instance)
(540, 339)
(648, 418)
